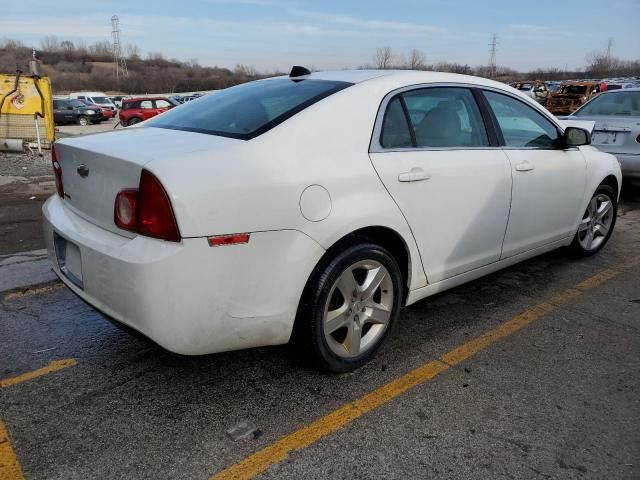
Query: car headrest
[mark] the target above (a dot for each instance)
(440, 126)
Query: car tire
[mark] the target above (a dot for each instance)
(597, 223)
(339, 332)
(133, 121)
(83, 120)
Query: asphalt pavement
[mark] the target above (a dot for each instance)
(532, 372)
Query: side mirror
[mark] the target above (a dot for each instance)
(575, 137)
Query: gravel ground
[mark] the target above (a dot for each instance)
(25, 165)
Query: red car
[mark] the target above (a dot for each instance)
(136, 110)
(107, 113)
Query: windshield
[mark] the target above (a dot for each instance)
(574, 89)
(623, 103)
(101, 100)
(247, 110)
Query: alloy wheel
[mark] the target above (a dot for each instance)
(596, 222)
(358, 308)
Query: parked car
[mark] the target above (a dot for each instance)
(312, 207)
(105, 112)
(74, 111)
(136, 110)
(570, 96)
(97, 98)
(536, 89)
(617, 129)
(117, 100)
(553, 86)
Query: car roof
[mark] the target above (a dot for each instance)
(135, 99)
(400, 77)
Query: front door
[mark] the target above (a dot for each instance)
(548, 182)
(434, 157)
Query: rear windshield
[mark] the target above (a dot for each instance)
(619, 103)
(247, 110)
(574, 89)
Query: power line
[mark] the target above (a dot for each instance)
(492, 55)
(118, 57)
(609, 48)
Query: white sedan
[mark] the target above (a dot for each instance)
(312, 207)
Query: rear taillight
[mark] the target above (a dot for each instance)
(147, 210)
(57, 170)
(126, 209)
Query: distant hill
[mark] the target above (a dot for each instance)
(74, 68)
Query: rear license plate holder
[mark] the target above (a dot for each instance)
(69, 259)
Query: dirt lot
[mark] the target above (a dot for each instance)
(26, 181)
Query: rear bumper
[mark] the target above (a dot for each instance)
(629, 164)
(188, 297)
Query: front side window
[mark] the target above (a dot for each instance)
(247, 110)
(623, 103)
(521, 125)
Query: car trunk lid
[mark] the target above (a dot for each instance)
(96, 167)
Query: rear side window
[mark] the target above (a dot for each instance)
(439, 117)
(247, 110)
(521, 125)
(160, 103)
(146, 104)
(395, 129)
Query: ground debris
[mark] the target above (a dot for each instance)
(244, 429)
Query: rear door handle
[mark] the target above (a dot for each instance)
(415, 175)
(524, 166)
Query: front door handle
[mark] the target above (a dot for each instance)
(525, 166)
(415, 175)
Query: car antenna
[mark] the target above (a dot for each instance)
(298, 71)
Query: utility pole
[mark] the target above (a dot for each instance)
(609, 47)
(118, 57)
(492, 55)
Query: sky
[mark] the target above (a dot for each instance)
(272, 35)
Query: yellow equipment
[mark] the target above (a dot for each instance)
(26, 109)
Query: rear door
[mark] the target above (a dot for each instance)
(147, 109)
(443, 168)
(548, 182)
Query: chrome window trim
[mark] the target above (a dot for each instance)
(376, 147)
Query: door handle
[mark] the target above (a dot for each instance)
(414, 175)
(524, 166)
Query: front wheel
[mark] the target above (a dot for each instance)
(348, 307)
(83, 121)
(133, 121)
(597, 223)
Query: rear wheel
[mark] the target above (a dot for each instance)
(83, 120)
(134, 120)
(348, 307)
(597, 223)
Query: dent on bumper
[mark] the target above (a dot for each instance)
(188, 297)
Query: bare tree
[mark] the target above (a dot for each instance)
(50, 43)
(383, 58)
(132, 51)
(416, 60)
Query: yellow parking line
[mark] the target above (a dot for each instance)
(10, 468)
(276, 452)
(54, 366)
